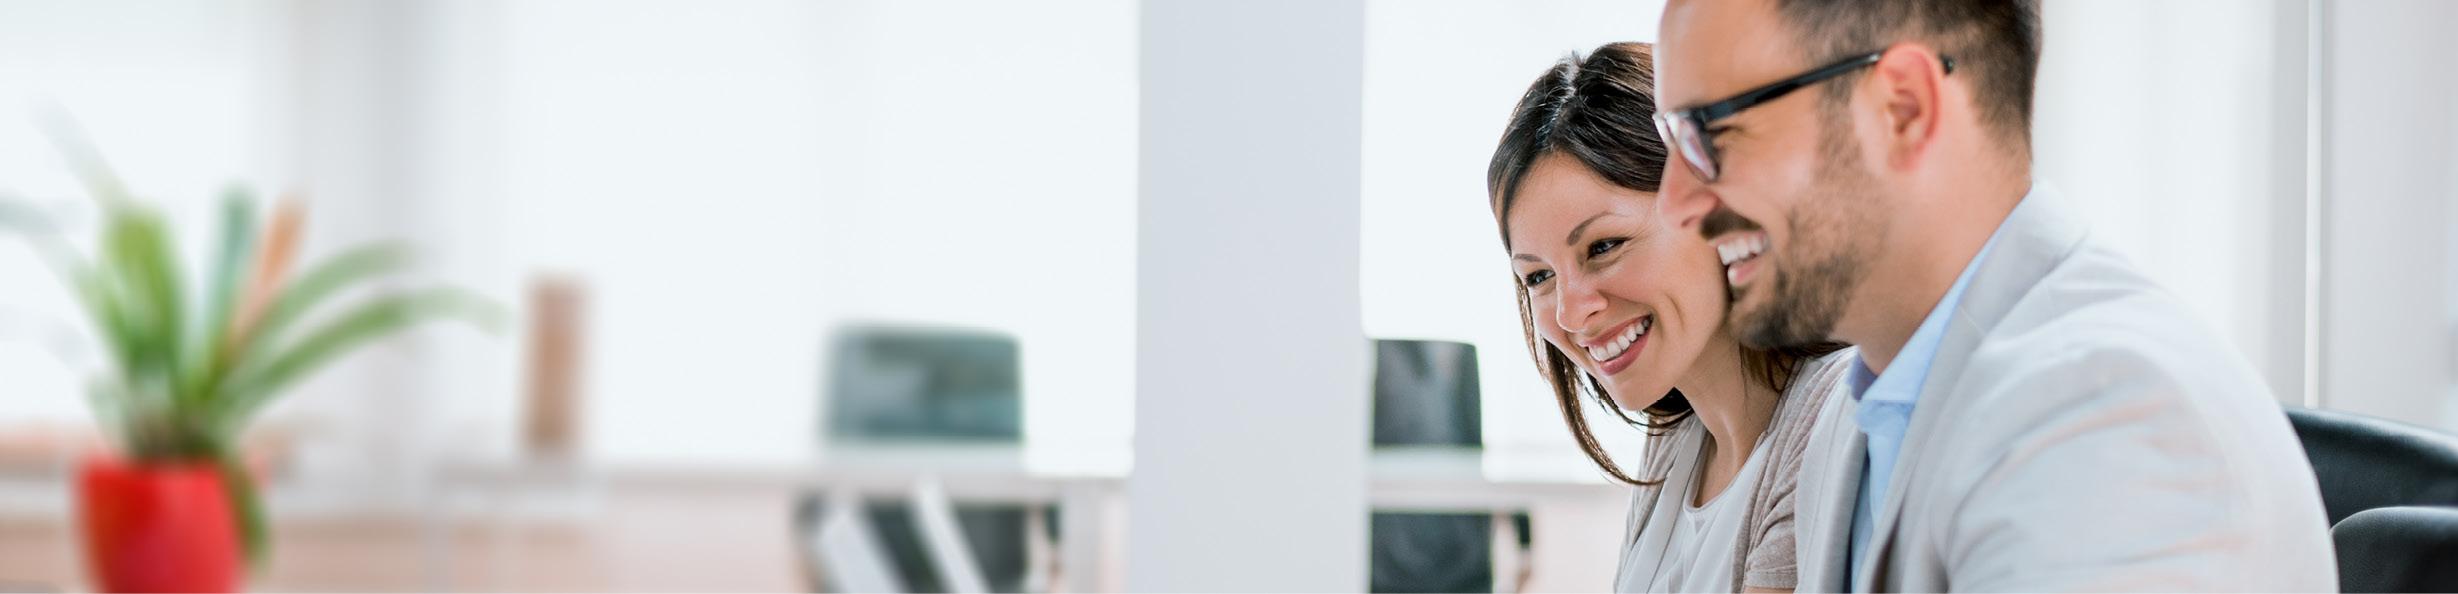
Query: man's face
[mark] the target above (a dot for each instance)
(1795, 212)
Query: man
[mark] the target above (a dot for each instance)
(2031, 413)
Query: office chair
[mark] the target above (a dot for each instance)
(1426, 394)
(2391, 493)
(915, 385)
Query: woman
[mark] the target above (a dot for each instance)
(1629, 310)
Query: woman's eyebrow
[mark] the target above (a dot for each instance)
(1526, 257)
(1573, 238)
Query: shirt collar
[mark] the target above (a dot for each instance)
(1901, 381)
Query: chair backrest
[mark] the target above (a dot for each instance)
(919, 384)
(2364, 462)
(1426, 393)
(2398, 549)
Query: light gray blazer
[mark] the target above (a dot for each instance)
(2080, 430)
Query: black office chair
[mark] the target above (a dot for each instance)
(2398, 549)
(2391, 493)
(918, 385)
(1426, 394)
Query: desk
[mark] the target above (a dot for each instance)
(540, 526)
(1413, 479)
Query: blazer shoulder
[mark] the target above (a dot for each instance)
(2095, 320)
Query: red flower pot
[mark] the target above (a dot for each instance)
(157, 527)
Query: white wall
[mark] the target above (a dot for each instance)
(2390, 112)
(732, 183)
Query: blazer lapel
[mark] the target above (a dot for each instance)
(2035, 237)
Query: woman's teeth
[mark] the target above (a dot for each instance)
(1621, 343)
(1741, 247)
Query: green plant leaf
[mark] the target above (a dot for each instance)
(77, 148)
(101, 303)
(16, 216)
(256, 383)
(143, 272)
(110, 402)
(247, 508)
(318, 284)
(208, 357)
(22, 219)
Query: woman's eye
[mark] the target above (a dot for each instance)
(1601, 246)
(1535, 278)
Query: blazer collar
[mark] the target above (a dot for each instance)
(2036, 236)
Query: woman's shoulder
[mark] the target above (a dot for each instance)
(1831, 367)
(1664, 447)
(1798, 415)
(1816, 379)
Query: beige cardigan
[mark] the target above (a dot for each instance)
(1766, 555)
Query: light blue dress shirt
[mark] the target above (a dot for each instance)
(1886, 401)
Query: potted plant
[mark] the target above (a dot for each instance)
(172, 506)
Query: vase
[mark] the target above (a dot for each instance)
(157, 526)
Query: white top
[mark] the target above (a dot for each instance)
(1686, 548)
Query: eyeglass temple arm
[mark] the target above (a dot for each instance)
(1728, 107)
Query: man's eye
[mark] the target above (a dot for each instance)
(1601, 246)
(1714, 137)
(1535, 278)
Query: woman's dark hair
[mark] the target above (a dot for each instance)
(1600, 110)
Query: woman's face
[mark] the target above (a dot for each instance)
(1629, 299)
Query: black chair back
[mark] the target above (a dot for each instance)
(1426, 394)
(2364, 462)
(2391, 492)
(920, 384)
(2398, 549)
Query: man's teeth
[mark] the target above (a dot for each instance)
(1742, 247)
(1621, 343)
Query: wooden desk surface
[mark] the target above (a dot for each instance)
(642, 541)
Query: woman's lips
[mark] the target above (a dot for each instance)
(1617, 364)
(1615, 354)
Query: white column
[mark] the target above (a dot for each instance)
(2286, 310)
(2389, 109)
(1251, 391)
(352, 130)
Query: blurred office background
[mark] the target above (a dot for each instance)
(1097, 276)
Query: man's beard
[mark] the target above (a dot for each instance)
(1833, 238)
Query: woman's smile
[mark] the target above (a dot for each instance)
(1615, 351)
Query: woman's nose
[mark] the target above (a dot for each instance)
(1576, 304)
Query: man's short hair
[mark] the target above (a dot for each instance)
(1996, 41)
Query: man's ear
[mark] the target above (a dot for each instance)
(1910, 84)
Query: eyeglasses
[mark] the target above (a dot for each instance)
(1687, 129)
